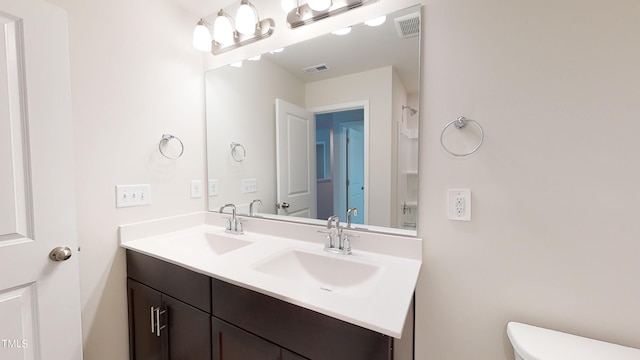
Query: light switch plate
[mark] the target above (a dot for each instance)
(213, 187)
(459, 204)
(249, 186)
(196, 189)
(133, 195)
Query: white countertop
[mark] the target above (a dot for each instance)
(380, 305)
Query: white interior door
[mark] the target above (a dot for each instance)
(39, 297)
(296, 160)
(355, 171)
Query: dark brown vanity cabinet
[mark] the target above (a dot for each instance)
(169, 311)
(207, 318)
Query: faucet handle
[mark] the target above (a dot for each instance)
(239, 227)
(229, 225)
(328, 239)
(346, 242)
(346, 246)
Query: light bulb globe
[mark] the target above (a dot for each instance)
(376, 21)
(319, 5)
(223, 30)
(201, 37)
(288, 5)
(343, 31)
(246, 20)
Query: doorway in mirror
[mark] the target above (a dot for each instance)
(340, 137)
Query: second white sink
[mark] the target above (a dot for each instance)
(327, 272)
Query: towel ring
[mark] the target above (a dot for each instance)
(460, 123)
(165, 139)
(238, 152)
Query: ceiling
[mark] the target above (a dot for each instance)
(365, 48)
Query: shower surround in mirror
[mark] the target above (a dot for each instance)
(360, 76)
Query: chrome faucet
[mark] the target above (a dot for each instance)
(349, 212)
(336, 242)
(251, 213)
(234, 225)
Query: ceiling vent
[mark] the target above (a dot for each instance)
(316, 69)
(408, 25)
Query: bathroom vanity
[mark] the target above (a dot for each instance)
(197, 316)
(196, 293)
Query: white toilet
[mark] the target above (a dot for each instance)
(534, 343)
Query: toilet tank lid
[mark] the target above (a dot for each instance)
(535, 343)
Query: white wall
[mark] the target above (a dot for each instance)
(134, 77)
(554, 83)
(555, 86)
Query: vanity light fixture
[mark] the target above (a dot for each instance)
(202, 36)
(315, 10)
(229, 33)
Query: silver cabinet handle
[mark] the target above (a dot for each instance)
(156, 328)
(61, 253)
(153, 323)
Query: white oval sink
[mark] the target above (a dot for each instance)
(199, 244)
(220, 244)
(327, 272)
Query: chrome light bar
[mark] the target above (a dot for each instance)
(303, 14)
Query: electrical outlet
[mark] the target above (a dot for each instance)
(459, 204)
(133, 195)
(196, 189)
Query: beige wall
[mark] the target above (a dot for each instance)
(134, 77)
(553, 239)
(554, 236)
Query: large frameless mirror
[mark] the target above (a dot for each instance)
(324, 126)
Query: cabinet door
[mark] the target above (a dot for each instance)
(232, 343)
(189, 331)
(143, 343)
(288, 355)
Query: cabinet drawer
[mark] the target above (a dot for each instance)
(183, 284)
(305, 332)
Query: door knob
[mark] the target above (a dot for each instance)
(61, 253)
(282, 205)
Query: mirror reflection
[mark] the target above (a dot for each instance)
(326, 125)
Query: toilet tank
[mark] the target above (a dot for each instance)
(535, 343)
